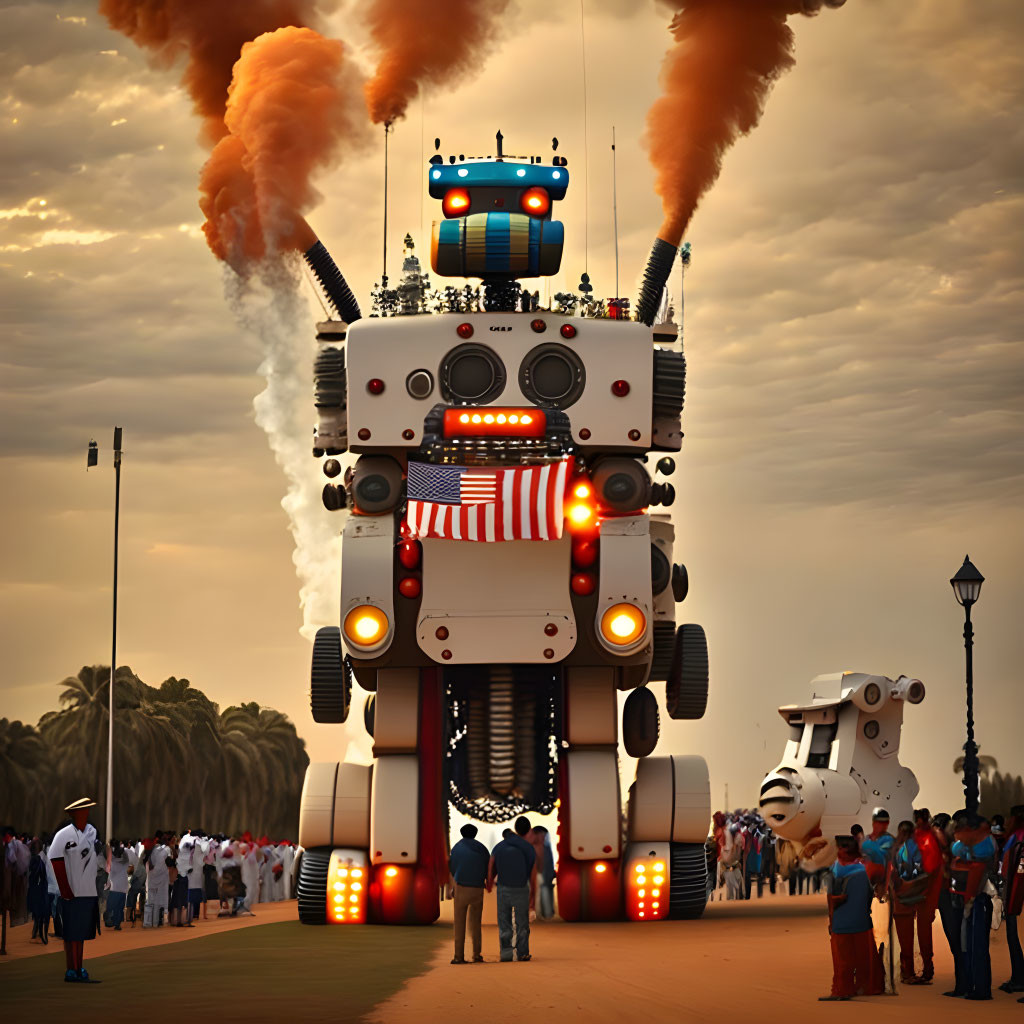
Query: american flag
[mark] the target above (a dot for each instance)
(486, 503)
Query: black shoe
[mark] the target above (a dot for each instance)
(523, 959)
(833, 999)
(978, 999)
(955, 995)
(458, 960)
(1011, 986)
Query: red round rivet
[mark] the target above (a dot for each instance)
(375, 386)
(441, 633)
(584, 553)
(464, 330)
(567, 331)
(550, 629)
(539, 326)
(634, 435)
(584, 434)
(620, 388)
(447, 655)
(409, 586)
(409, 553)
(548, 653)
(582, 583)
(607, 849)
(408, 434)
(364, 434)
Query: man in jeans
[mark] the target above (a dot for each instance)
(512, 862)
(468, 866)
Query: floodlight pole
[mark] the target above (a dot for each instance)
(113, 643)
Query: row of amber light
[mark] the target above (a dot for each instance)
(346, 893)
(646, 897)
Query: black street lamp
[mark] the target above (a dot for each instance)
(966, 585)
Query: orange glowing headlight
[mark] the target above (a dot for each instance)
(365, 626)
(535, 201)
(343, 905)
(455, 203)
(623, 624)
(600, 868)
(495, 421)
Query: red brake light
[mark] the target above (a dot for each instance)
(455, 202)
(535, 201)
(495, 421)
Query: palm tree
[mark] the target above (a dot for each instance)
(25, 776)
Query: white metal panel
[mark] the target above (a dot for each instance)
(692, 817)
(396, 710)
(651, 801)
(391, 348)
(352, 806)
(591, 706)
(625, 573)
(394, 815)
(594, 806)
(495, 600)
(316, 805)
(368, 545)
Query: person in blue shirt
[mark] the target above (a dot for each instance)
(513, 863)
(850, 925)
(467, 865)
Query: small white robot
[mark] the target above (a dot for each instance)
(503, 577)
(841, 762)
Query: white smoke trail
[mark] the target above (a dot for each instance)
(270, 306)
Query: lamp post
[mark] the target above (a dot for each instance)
(966, 586)
(92, 460)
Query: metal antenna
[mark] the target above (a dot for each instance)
(498, 138)
(586, 147)
(384, 273)
(615, 214)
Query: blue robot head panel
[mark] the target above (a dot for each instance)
(497, 219)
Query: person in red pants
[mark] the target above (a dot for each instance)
(73, 856)
(850, 925)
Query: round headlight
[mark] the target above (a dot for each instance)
(365, 626)
(623, 624)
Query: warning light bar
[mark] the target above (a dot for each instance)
(495, 421)
(347, 880)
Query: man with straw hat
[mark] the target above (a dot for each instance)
(73, 856)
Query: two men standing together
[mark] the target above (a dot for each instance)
(513, 864)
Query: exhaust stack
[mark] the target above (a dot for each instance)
(659, 266)
(334, 286)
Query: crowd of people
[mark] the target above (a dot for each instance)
(168, 879)
(745, 856)
(966, 868)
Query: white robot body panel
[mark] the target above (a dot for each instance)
(335, 805)
(504, 602)
(594, 818)
(841, 760)
(392, 350)
(592, 710)
(625, 574)
(396, 711)
(394, 814)
(368, 545)
(670, 799)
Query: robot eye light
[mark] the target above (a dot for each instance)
(521, 173)
(456, 202)
(365, 626)
(536, 201)
(463, 172)
(435, 175)
(623, 624)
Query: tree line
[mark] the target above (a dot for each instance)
(179, 761)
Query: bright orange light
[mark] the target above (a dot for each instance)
(456, 202)
(641, 913)
(582, 491)
(356, 886)
(580, 514)
(391, 872)
(464, 418)
(526, 419)
(488, 418)
(600, 868)
(343, 908)
(535, 201)
(641, 892)
(365, 626)
(640, 869)
(623, 624)
(655, 905)
(658, 880)
(655, 892)
(338, 899)
(659, 866)
(357, 873)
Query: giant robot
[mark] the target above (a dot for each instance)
(503, 576)
(841, 762)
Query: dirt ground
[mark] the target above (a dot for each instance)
(769, 958)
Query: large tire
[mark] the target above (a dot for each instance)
(663, 650)
(312, 887)
(330, 688)
(686, 690)
(640, 723)
(688, 880)
(369, 713)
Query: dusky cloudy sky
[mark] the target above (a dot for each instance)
(853, 330)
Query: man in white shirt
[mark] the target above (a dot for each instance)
(117, 870)
(73, 856)
(156, 884)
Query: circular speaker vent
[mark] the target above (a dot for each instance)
(472, 373)
(553, 376)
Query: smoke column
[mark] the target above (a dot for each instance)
(432, 42)
(716, 78)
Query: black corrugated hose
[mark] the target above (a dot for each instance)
(659, 266)
(334, 285)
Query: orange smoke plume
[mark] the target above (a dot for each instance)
(210, 36)
(424, 42)
(289, 108)
(716, 79)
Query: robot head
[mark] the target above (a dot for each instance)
(497, 218)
